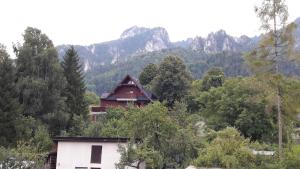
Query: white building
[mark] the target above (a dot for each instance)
(87, 152)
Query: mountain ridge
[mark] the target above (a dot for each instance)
(108, 62)
(140, 40)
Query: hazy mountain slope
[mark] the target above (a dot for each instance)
(103, 78)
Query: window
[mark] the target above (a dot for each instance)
(96, 154)
(95, 168)
(81, 168)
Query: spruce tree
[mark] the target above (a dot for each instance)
(9, 106)
(75, 88)
(41, 80)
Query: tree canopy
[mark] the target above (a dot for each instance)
(173, 80)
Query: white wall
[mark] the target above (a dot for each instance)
(78, 154)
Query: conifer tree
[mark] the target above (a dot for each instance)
(75, 88)
(9, 106)
(41, 80)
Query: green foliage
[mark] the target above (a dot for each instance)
(41, 80)
(135, 155)
(296, 149)
(29, 152)
(213, 78)
(41, 140)
(112, 124)
(25, 156)
(74, 91)
(291, 159)
(94, 129)
(77, 125)
(166, 138)
(276, 45)
(240, 105)
(148, 74)
(10, 109)
(173, 80)
(163, 140)
(227, 150)
(91, 98)
(192, 104)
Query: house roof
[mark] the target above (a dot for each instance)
(92, 139)
(104, 95)
(148, 95)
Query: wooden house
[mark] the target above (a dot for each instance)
(128, 92)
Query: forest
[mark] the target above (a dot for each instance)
(210, 120)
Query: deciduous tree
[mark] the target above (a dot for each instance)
(148, 74)
(41, 80)
(173, 80)
(276, 45)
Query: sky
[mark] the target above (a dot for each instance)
(85, 22)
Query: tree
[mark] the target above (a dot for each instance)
(213, 78)
(148, 74)
(24, 156)
(41, 80)
(91, 98)
(275, 46)
(75, 87)
(10, 109)
(237, 104)
(173, 80)
(164, 144)
(227, 150)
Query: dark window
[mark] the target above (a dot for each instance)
(95, 168)
(96, 154)
(81, 168)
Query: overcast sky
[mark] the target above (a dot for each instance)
(92, 21)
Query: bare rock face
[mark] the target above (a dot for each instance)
(133, 41)
(133, 31)
(220, 41)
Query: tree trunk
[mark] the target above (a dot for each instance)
(279, 113)
(279, 123)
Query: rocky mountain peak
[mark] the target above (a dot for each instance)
(220, 41)
(133, 31)
(159, 40)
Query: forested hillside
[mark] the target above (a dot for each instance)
(102, 78)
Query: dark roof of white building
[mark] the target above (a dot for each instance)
(91, 139)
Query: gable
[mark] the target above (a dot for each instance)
(129, 88)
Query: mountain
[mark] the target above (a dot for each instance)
(139, 40)
(219, 41)
(133, 41)
(107, 63)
